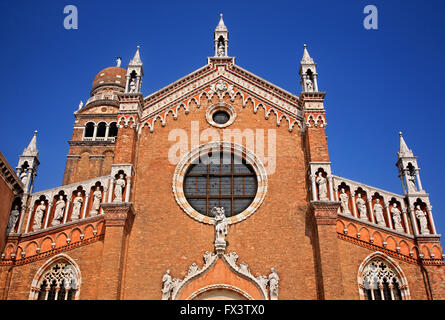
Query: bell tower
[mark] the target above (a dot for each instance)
(135, 73)
(27, 165)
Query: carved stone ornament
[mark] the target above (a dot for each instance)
(220, 88)
(172, 286)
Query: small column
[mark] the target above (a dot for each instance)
(85, 205)
(405, 220)
(331, 189)
(414, 221)
(48, 213)
(430, 216)
(388, 214)
(354, 207)
(68, 202)
(403, 184)
(381, 291)
(95, 132)
(371, 212)
(107, 130)
(110, 190)
(31, 209)
(314, 187)
(128, 189)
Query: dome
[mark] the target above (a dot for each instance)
(112, 76)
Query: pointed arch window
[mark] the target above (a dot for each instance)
(379, 279)
(57, 281)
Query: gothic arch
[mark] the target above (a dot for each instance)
(61, 271)
(380, 269)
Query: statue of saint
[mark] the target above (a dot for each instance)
(133, 85)
(309, 84)
(119, 188)
(97, 198)
(421, 215)
(38, 216)
(344, 198)
(24, 177)
(322, 187)
(411, 180)
(77, 205)
(221, 50)
(397, 218)
(220, 225)
(118, 62)
(273, 284)
(361, 206)
(13, 217)
(167, 285)
(59, 211)
(378, 211)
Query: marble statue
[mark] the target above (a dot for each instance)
(309, 84)
(167, 285)
(38, 216)
(344, 198)
(411, 180)
(378, 211)
(77, 205)
(361, 207)
(397, 218)
(119, 188)
(24, 177)
(421, 215)
(273, 284)
(221, 50)
(220, 224)
(322, 187)
(59, 211)
(13, 217)
(97, 198)
(133, 85)
(118, 62)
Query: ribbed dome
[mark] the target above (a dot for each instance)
(112, 76)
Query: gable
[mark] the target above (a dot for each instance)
(201, 84)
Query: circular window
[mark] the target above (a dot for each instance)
(220, 115)
(220, 180)
(220, 174)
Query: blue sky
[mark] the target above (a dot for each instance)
(378, 82)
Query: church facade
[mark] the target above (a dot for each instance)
(218, 186)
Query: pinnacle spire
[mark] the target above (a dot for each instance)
(31, 150)
(136, 61)
(306, 57)
(221, 26)
(404, 151)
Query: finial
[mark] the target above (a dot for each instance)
(35, 132)
(400, 133)
(305, 46)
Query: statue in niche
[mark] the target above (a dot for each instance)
(273, 284)
(59, 211)
(309, 84)
(13, 217)
(97, 198)
(24, 177)
(167, 285)
(421, 215)
(38, 216)
(77, 205)
(344, 198)
(119, 188)
(220, 225)
(361, 206)
(378, 211)
(322, 187)
(411, 180)
(397, 217)
(221, 50)
(133, 85)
